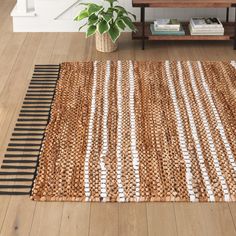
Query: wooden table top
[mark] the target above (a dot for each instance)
(184, 3)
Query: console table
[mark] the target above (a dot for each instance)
(144, 32)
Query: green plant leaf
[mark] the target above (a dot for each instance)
(103, 27)
(123, 11)
(120, 8)
(83, 4)
(93, 19)
(120, 11)
(91, 30)
(82, 26)
(82, 15)
(128, 22)
(111, 1)
(92, 8)
(114, 33)
(134, 16)
(107, 17)
(120, 24)
(76, 18)
(111, 10)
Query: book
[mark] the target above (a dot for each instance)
(206, 26)
(206, 29)
(167, 29)
(177, 33)
(166, 24)
(205, 32)
(208, 23)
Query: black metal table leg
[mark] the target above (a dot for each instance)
(143, 26)
(227, 15)
(235, 29)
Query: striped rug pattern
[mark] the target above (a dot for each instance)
(140, 131)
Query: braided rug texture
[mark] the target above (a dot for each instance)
(140, 131)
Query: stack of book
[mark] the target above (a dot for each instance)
(206, 26)
(167, 27)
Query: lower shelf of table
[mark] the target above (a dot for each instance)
(228, 35)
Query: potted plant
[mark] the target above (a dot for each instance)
(107, 22)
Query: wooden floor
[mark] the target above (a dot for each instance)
(21, 216)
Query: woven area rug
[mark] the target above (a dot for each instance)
(140, 131)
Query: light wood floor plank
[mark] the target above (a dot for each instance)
(104, 219)
(46, 219)
(19, 216)
(161, 219)
(61, 48)
(9, 56)
(46, 48)
(133, 219)
(6, 7)
(232, 207)
(80, 49)
(75, 219)
(204, 219)
(3, 209)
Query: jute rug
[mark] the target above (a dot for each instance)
(140, 131)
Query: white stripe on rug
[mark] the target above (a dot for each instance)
(208, 134)
(181, 133)
(195, 135)
(133, 138)
(105, 144)
(233, 63)
(90, 133)
(220, 126)
(119, 133)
